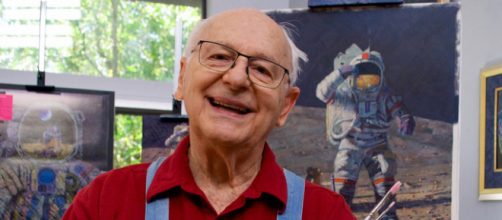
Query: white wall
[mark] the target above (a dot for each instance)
(481, 41)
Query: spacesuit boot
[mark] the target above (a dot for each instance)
(382, 168)
(346, 188)
(380, 190)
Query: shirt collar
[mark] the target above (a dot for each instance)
(175, 172)
(270, 179)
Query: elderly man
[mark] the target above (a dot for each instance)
(236, 82)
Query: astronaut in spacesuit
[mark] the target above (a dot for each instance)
(42, 175)
(360, 108)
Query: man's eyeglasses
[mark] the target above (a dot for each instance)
(220, 58)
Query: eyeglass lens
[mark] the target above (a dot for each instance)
(221, 58)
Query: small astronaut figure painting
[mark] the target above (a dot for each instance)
(360, 109)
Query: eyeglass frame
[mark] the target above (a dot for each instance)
(286, 71)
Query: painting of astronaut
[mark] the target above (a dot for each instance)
(378, 103)
(161, 135)
(55, 143)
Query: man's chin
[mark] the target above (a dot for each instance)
(228, 138)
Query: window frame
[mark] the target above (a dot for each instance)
(132, 96)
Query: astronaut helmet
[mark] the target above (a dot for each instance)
(368, 76)
(49, 131)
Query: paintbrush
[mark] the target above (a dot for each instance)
(386, 210)
(388, 196)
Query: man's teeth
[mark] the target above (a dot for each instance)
(236, 108)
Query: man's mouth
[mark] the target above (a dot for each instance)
(230, 107)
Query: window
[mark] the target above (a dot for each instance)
(119, 45)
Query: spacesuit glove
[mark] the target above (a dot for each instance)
(406, 125)
(347, 70)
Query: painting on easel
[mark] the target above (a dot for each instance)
(378, 103)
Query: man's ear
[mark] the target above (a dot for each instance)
(289, 102)
(178, 94)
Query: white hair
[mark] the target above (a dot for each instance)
(296, 53)
(288, 29)
(193, 38)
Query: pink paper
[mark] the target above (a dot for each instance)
(5, 107)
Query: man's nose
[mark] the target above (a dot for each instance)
(237, 77)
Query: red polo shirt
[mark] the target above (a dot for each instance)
(120, 194)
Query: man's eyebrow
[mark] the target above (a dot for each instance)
(257, 54)
(261, 55)
(266, 57)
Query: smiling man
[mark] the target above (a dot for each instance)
(236, 81)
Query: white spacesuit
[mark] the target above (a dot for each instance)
(360, 107)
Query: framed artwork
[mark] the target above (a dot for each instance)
(417, 70)
(490, 167)
(161, 135)
(53, 142)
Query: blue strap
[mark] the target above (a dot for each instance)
(159, 209)
(296, 190)
(156, 209)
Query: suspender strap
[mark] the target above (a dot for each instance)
(159, 209)
(296, 190)
(156, 209)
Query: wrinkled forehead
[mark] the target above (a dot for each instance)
(250, 32)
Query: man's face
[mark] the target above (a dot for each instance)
(227, 107)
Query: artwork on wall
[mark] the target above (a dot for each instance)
(161, 135)
(51, 145)
(490, 166)
(378, 103)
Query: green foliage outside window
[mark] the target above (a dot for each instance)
(128, 137)
(133, 40)
(114, 38)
